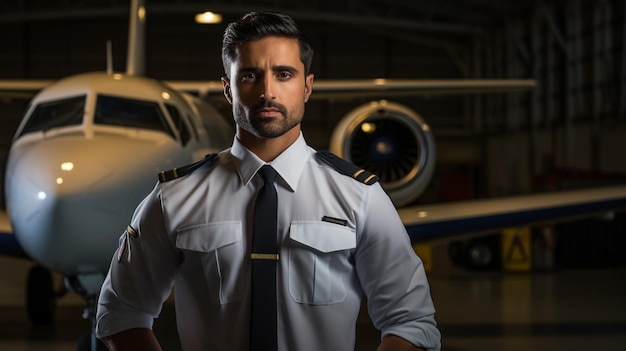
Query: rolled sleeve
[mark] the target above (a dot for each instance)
(140, 278)
(113, 322)
(393, 277)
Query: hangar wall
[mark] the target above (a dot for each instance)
(494, 143)
(576, 117)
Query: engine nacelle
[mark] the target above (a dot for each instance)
(392, 141)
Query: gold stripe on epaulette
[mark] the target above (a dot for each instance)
(357, 173)
(131, 231)
(369, 178)
(168, 175)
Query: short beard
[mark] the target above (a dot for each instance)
(266, 128)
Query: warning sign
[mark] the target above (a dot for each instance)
(516, 254)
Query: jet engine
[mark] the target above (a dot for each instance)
(393, 142)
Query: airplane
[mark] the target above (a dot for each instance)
(89, 147)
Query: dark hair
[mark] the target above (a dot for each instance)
(258, 25)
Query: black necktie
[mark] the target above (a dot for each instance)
(264, 259)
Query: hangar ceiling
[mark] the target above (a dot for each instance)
(429, 39)
(434, 30)
(441, 17)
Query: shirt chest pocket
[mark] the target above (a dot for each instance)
(215, 252)
(319, 261)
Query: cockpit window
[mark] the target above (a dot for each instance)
(179, 124)
(117, 111)
(54, 114)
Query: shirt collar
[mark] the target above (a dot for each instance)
(289, 164)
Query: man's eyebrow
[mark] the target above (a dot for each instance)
(282, 68)
(249, 70)
(278, 68)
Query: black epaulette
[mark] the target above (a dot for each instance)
(348, 168)
(172, 174)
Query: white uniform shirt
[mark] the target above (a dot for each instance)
(195, 232)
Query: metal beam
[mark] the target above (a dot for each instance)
(301, 15)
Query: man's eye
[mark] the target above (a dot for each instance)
(248, 77)
(284, 75)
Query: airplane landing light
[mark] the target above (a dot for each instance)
(67, 166)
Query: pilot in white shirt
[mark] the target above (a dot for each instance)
(195, 232)
(339, 235)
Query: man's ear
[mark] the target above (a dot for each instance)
(308, 87)
(227, 92)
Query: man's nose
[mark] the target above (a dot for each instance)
(267, 93)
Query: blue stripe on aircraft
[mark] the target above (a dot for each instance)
(454, 227)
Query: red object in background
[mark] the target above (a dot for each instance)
(455, 187)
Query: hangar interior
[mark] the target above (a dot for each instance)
(497, 143)
(567, 132)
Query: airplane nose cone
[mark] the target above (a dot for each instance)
(70, 204)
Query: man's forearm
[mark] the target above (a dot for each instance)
(396, 343)
(132, 339)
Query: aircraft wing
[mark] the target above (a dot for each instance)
(350, 89)
(323, 89)
(353, 88)
(8, 243)
(444, 220)
(22, 88)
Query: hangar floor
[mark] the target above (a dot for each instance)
(562, 310)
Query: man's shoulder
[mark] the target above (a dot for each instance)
(179, 172)
(347, 168)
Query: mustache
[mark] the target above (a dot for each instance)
(270, 104)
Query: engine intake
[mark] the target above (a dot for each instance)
(392, 141)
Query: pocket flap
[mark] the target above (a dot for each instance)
(323, 236)
(208, 237)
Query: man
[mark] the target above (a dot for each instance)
(337, 238)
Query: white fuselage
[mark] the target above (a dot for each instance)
(89, 149)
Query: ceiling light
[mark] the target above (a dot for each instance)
(208, 18)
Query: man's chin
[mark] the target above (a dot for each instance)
(266, 132)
